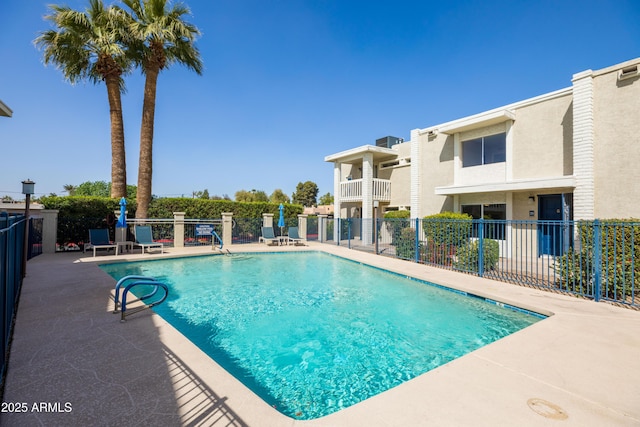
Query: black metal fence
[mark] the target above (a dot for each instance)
(594, 259)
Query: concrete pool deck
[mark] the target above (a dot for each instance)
(72, 363)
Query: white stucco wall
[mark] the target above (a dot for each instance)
(542, 139)
(616, 106)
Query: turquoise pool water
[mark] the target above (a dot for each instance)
(312, 333)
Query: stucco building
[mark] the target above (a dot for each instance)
(4, 110)
(568, 154)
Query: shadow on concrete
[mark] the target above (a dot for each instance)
(73, 363)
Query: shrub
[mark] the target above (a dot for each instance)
(620, 264)
(447, 228)
(395, 222)
(78, 214)
(406, 244)
(467, 258)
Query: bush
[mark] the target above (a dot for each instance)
(77, 214)
(447, 228)
(395, 222)
(468, 255)
(206, 208)
(406, 244)
(620, 264)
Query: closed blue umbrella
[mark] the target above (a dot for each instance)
(122, 219)
(281, 219)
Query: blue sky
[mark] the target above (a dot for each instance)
(287, 82)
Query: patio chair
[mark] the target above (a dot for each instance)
(268, 236)
(144, 238)
(294, 237)
(99, 239)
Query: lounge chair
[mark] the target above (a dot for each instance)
(99, 239)
(268, 236)
(294, 237)
(144, 238)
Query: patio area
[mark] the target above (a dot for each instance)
(73, 363)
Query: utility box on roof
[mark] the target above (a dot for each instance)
(388, 141)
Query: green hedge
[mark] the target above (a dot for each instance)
(395, 222)
(444, 233)
(620, 266)
(100, 207)
(203, 208)
(406, 244)
(447, 228)
(467, 256)
(77, 214)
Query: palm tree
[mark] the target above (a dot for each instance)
(85, 46)
(160, 38)
(70, 189)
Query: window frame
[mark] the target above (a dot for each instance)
(492, 230)
(466, 150)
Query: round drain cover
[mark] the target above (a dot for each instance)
(547, 409)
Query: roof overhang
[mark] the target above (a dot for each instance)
(4, 110)
(516, 185)
(355, 155)
(477, 121)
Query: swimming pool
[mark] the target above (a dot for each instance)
(312, 333)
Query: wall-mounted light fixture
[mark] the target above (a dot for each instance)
(532, 200)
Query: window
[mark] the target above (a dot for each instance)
(485, 150)
(493, 214)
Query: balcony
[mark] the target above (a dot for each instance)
(351, 191)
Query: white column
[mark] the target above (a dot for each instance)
(508, 152)
(583, 141)
(178, 229)
(416, 174)
(367, 198)
(302, 226)
(337, 203)
(457, 159)
(49, 230)
(322, 226)
(227, 228)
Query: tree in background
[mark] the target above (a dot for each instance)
(278, 196)
(200, 194)
(251, 196)
(327, 199)
(70, 189)
(159, 37)
(97, 189)
(85, 46)
(306, 194)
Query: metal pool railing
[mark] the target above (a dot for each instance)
(597, 259)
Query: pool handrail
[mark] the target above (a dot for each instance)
(157, 286)
(213, 233)
(121, 282)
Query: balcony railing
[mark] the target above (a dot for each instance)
(351, 191)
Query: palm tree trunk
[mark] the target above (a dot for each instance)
(118, 161)
(145, 167)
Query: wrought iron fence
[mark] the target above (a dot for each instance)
(595, 259)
